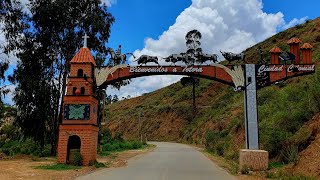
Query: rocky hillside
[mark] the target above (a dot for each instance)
(288, 112)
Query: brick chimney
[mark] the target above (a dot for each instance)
(275, 55)
(294, 44)
(306, 50)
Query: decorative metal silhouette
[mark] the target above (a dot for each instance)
(174, 58)
(286, 56)
(202, 58)
(229, 56)
(116, 57)
(144, 59)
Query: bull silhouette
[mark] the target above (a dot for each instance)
(144, 59)
(229, 56)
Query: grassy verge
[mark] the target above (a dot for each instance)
(110, 144)
(281, 174)
(231, 166)
(58, 167)
(275, 170)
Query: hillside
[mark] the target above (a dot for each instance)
(288, 113)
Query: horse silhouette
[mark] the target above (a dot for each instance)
(118, 58)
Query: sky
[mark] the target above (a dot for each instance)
(158, 28)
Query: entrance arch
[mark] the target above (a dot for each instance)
(230, 75)
(73, 147)
(81, 111)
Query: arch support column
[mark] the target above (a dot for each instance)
(251, 110)
(252, 158)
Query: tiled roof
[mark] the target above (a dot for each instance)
(294, 40)
(83, 56)
(276, 50)
(306, 46)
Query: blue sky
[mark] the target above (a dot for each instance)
(158, 28)
(136, 20)
(139, 19)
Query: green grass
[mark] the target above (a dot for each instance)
(288, 176)
(58, 167)
(273, 165)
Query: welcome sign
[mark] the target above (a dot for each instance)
(269, 74)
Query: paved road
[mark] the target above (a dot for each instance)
(169, 161)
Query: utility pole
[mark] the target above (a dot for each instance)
(194, 96)
(140, 125)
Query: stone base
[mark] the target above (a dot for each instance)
(255, 160)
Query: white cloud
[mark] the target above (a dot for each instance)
(8, 98)
(139, 86)
(229, 25)
(294, 22)
(109, 2)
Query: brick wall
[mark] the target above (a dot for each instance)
(89, 140)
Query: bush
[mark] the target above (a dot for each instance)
(136, 144)
(290, 154)
(78, 159)
(118, 137)
(28, 147)
(99, 165)
(211, 140)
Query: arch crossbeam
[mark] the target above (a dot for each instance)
(230, 75)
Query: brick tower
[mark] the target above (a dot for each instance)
(79, 128)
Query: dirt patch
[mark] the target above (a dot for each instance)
(309, 161)
(22, 167)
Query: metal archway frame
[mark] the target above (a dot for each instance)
(230, 75)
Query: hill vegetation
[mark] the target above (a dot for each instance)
(289, 122)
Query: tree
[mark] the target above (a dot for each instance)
(108, 99)
(193, 44)
(115, 99)
(45, 40)
(186, 81)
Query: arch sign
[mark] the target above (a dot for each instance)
(81, 108)
(232, 75)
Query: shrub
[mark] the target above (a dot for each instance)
(136, 145)
(99, 165)
(27, 146)
(184, 110)
(290, 154)
(78, 159)
(245, 170)
(91, 162)
(216, 142)
(118, 137)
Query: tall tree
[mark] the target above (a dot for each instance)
(193, 43)
(45, 39)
